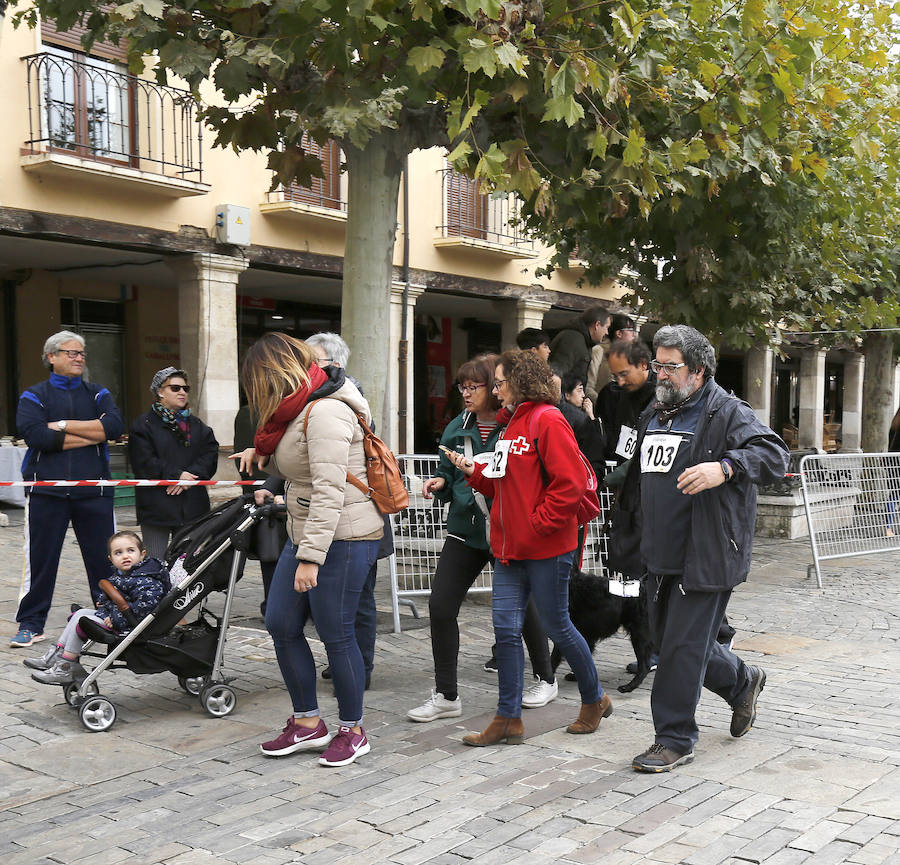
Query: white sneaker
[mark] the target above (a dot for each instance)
(436, 706)
(539, 694)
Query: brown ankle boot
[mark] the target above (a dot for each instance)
(590, 716)
(509, 730)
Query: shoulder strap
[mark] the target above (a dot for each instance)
(351, 478)
(536, 413)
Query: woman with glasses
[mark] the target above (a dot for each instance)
(536, 478)
(467, 548)
(170, 443)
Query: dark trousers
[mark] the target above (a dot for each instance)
(685, 625)
(457, 569)
(46, 520)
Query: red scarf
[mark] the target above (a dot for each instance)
(267, 438)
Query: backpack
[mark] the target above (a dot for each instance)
(589, 506)
(385, 486)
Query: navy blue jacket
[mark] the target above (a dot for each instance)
(723, 519)
(144, 586)
(63, 398)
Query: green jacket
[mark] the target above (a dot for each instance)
(465, 519)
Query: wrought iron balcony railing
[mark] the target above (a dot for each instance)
(470, 213)
(93, 109)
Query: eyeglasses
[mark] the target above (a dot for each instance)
(469, 388)
(670, 368)
(620, 376)
(324, 361)
(72, 353)
(498, 382)
(177, 388)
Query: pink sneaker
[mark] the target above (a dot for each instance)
(296, 738)
(345, 747)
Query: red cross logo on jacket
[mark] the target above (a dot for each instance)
(519, 445)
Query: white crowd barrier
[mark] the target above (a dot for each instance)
(851, 503)
(419, 534)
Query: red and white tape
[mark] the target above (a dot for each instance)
(131, 482)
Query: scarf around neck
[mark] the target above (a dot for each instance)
(177, 421)
(268, 436)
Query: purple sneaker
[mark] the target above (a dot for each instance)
(345, 747)
(296, 738)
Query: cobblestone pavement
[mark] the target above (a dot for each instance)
(817, 780)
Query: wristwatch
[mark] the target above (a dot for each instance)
(61, 425)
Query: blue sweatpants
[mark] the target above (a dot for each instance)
(46, 520)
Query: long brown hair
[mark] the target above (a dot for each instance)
(275, 366)
(528, 377)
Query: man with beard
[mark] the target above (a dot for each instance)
(700, 454)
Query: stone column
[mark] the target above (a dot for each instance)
(812, 397)
(758, 384)
(530, 306)
(207, 326)
(851, 422)
(389, 429)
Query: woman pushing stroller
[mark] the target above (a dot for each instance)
(142, 582)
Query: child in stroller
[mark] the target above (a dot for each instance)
(141, 583)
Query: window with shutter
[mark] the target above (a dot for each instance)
(71, 38)
(322, 191)
(467, 206)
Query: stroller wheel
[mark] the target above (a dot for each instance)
(97, 713)
(70, 692)
(218, 700)
(192, 684)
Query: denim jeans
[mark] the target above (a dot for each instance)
(332, 604)
(548, 581)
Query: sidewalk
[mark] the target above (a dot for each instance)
(817, 780)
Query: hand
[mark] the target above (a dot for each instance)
(588, 407)
(108, 622)
(431, 485)
(260, 497)
(703, 476)
(462, 462)
(247, 458)
(279, 500)
(177, 490)
(306, 577)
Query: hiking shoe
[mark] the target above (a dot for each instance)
(345, 747)
(539, 694)
(296, 738)
(436, 706)
(46, 661)
(326, 672)
(745, 712)
(25, 637)
(659, 758)
(633, 666)
(63, 672)
(490, 665)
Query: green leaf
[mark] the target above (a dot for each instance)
(130, 11)
(599, 143)
(460, 153)
(422, 11)
(634, 148)
(479, 56)
(697, 150)
(480, 100)
(753, 16)
(509, 57)
(679, 154)
(564, 108)
(425, 57)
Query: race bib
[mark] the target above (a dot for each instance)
(496, 467)
(658, 452)
(627, 442)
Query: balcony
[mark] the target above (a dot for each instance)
(89, 118)
(476, 220)
(324, 198)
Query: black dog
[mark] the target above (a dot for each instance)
(598, 615)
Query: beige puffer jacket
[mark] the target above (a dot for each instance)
(323, 506)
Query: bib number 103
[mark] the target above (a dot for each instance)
(658, 452)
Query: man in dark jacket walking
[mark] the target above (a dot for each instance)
(571, 348)
(66, 423)
(700, 454)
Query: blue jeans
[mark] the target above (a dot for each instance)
(548, 581)
(332, 604)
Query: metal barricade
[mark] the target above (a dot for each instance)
(851, 505)
(420, 530)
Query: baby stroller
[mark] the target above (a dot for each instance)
(198, 565)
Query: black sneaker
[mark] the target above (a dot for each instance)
(633, 666)
(326, 673)
(490, 665)
(659, 758)
(745, 712)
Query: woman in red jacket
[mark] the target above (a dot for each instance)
(536, 478)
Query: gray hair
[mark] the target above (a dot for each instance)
(163, 375)
(53, 343)
(333, 345)
(695, 348)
